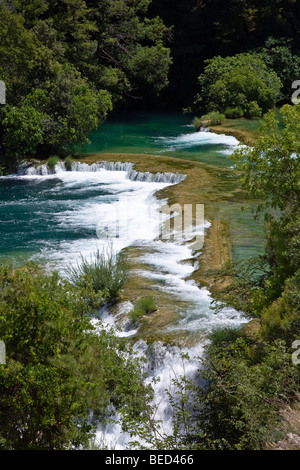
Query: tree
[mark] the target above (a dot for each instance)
(74, 109)
(60, 373)
(70, 62)
(279, 55)
(245, 385)
(131, 52)
(203, 29)
(50, 106)
(22, 132)
(270, 172)
(241, 81)
(267, 286)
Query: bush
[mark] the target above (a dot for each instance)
(236, 81)
(253, 110)
(280, 319)
(234, 113)
(52, 161)
(59, 376)
(106, 271)
(246, 385)
(68, 163)
(211, 119)
(143, 307)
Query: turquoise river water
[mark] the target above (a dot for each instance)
(55, 217)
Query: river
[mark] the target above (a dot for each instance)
(55, 217)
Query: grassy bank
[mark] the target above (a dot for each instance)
(221, 195)
(203, 184)
(244, 130)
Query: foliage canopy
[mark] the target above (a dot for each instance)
(241, 81)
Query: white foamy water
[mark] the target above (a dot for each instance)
(126, 213)
(200, 138)
(164, 365)
(172, 264)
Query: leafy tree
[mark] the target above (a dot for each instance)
(270, 172)
(69, 62)
(22, 132)
(60, 374)
(24, 60)
(49, 105)
(74, 109)
(203, 29)
(279, 55)
(249, 376)
(131, 52)
(242, 81)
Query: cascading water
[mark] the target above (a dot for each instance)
(69, 209)
(31, 170)
(163, 263)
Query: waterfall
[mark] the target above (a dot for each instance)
(133, 175)
(155, 177)
(163, 364)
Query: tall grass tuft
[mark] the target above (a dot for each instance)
(106, 271)
(52, 161)
(144, 306)
(68, 163)
(214, 118)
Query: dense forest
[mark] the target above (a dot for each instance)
(206, 29)
(67, 65)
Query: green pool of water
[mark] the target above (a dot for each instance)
(174, 135)
(160, 134)
(38, 215)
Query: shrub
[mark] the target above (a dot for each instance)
(213, 118)
(234, 113)
(60, 375)
(253, 110)
(143, 307)
(52, 161)
(68, 163)
(106, 271)
(243, 376)
(235, 81)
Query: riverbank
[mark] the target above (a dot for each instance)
(173, 274)
(202, 159)
(244, 130)
(203, 184)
